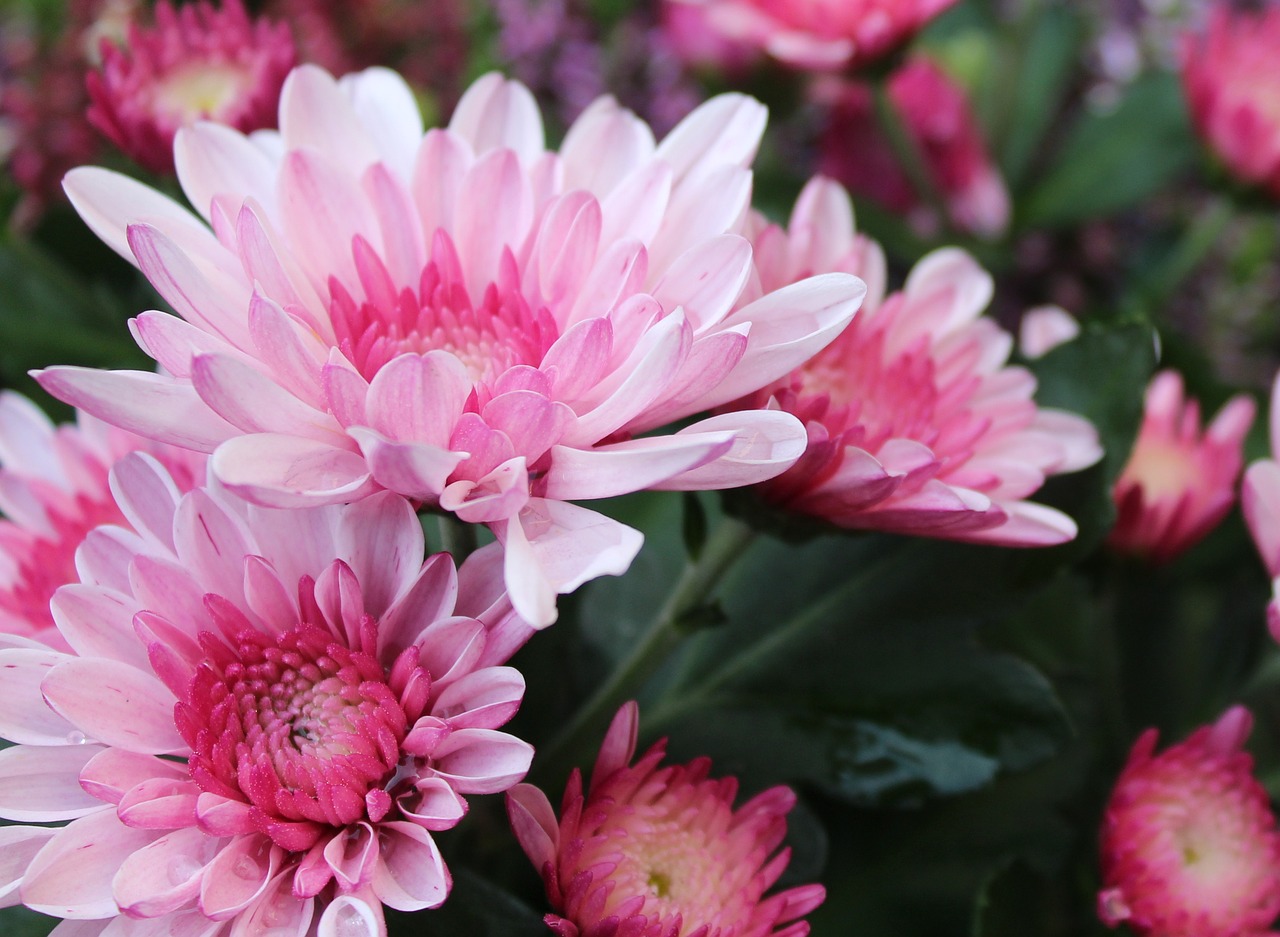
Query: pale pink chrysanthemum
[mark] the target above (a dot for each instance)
(659, 851)
(819, 34)
(265, 716)
(1189, 844)
(936, 116)
(1179, 482)
(53, 491)
(463, 317)
(198, 62)
(1232, 87)
(1260, 503)
(916, 423)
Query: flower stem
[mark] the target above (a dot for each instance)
(1198, 240)
(907, 151)
(458, 537)
(664, 633)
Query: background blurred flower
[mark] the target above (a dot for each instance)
(1232, 81)
(1044, 328)
(1178, 483)
(653, 851)
(54, 491)
(935, 115)
(1189, 843)
(463, 318)
(916, 424)
(266, 716)
(819, 34)
(1260, 501)
(197, 62)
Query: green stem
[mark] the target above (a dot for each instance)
(660, 637)
(907, 152)
(458, 537)
(1197, 241)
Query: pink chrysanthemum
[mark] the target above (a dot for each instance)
(936, 116)
(916, 424)
(1260, 502)
(463, 317)
(1232, 86)
(651, 851)
(53, 491)
(1178, 483)
(197, 62)
(265, 716)
(1189, 843)
(819, 34)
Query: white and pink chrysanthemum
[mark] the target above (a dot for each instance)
(463, 317)
(1232, 87)
(198, 62)
(659, 851)
(939, 122)
(54, 490)
(1179, 482)
(818, 34)
(264, 717)
(1189, 843)
(916, 423)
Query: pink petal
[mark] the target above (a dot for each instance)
(255, 403)
(410, 874)
(707, 280)
(238, 876)
(497, 113)
(276, 911)
(213, 159)
(387, 108)
(18, 846)
(349, 916)
(483, 699)
(115, 704)
(42, 784)
(724, 131)
(765, 444)
(98, 623)
(482, 761)
(534, 822)
(620, 468)
(146, 495)
(619, 743)
(290, 471)
(1029, 525)
(164, 875)
(429, 598)
(433, 804)
(314, 112)
(112, 772)
(418, 398)
(25, 718)
(415, 470)
(605, 144)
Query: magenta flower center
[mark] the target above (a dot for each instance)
(500, 332)
(302, 728)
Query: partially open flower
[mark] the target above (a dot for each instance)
(1178, 483)
(1189, 843)
(916, 423)
(264, 719)
(1260, 501)
(54, 490)
(197, 62)
(936, 117)
(460, 316)
(654, 851)
(1232, 84)
(817, 34)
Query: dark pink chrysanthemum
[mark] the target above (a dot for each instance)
(1178, 483)
(817, 34)
(916, 423)
(1232, 86)
(653, 851)
(262, 720)
(1189, 843)
(197, 62)
(937, 117)
(54, 490)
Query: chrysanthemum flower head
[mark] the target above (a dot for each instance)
(1189, 842)
(937, 118)
(819, 34)
(461, 317)
(1179, 482)
(53, 491)
(264, 718)
(648, 850)
(916, 423)
(1232, 86)
(197, 62)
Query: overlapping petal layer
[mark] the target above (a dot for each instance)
(916, 424)
(262, 718)
(460, 316)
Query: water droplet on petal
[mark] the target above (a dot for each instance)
(181, 868)
(349, 922)
(246, 868)
(76, 737)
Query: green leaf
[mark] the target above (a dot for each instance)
(23, 922)
(476, 907)
(875, 689)
(1115, 159)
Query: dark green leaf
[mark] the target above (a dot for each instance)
(1115, 159)
(476, 907)
(23, 922)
